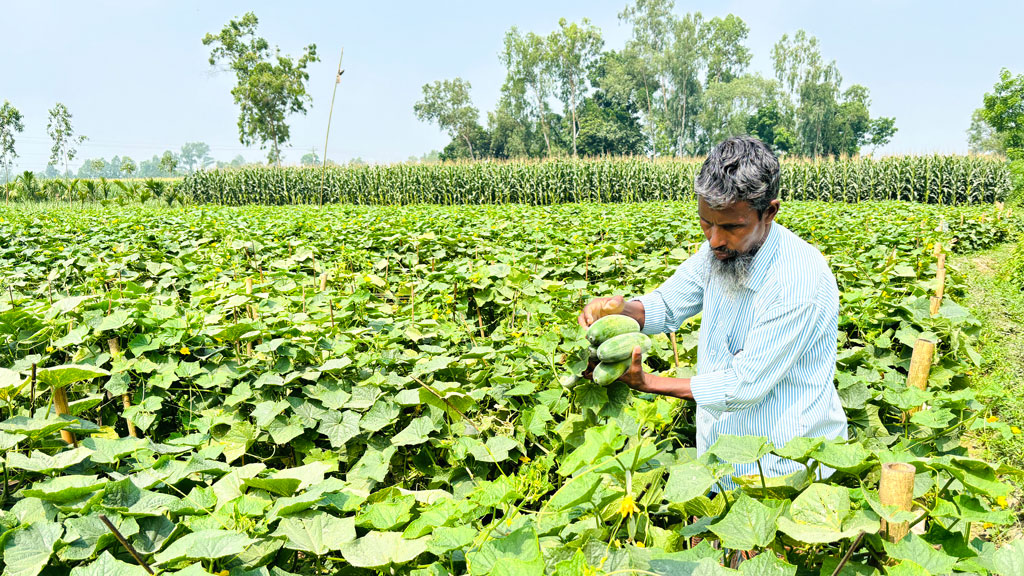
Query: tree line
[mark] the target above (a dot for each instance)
(679, 85)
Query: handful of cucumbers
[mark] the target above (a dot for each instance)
(612, 339)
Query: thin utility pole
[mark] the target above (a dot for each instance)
(337, 80)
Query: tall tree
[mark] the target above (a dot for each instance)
(529, 81)
(195, 156)
(653, 28)
(62, 133)
(269, 85)
(982, 138)
(10, 123)
(449, 104)
(573, 50)
(1004, 111)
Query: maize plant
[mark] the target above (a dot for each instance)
(926, 179)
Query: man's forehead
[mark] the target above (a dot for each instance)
(737, 212)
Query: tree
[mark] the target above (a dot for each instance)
(195, 156)
(169, 162)
(827, 120)
(65, 143)
(770, 125)
(10, 123)
(608, 127)
(448, 104)
(310, 158)
(573, 50)
(982, 138)
(1004, 111)
(269, 86)
(529, 81)
(128, 167)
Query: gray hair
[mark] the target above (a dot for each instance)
(740, 169)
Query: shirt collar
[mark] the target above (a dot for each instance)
(764, 259)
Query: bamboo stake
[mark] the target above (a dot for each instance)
(940, 287)
(323, 281)
(32, 398)
(126, 399)
(920, 364)
(252, 313)
(127, 546)
(675, 349)
(60, 403)
(896, 488)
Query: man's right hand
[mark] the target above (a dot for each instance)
(599, 307)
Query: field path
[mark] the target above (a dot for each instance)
(1000, 307)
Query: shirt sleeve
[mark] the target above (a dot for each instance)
(679, 298)
(776, 341)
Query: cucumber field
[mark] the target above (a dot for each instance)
(374, 389)
(604, 288)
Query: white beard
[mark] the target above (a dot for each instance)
(732, 273)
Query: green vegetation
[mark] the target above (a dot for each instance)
(927, 179)
(388, 396)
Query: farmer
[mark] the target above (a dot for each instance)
(766, 354)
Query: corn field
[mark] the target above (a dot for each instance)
(926, 179)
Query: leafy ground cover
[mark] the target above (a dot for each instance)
(398, 392)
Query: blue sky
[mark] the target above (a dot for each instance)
(136, 76)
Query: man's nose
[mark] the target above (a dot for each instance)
(716, 239)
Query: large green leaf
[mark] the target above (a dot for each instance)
(67, 374)
(205, 545)
(740, 449)
(107, 565)
(382, 549)
(65, 488)
(44, 463)
(822, 514)
(518, 554)
(317, 534)
(912, 547)
(598, 443)
(29, 550)
(688, 481)
(748, 524)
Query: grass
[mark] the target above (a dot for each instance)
(1000, 307)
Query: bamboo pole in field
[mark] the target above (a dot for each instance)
(675, 349)
(126, 400)
(896, 488)
(940, 284)
(252, 312)
(323, 280)
(60, 403)
(920, 364)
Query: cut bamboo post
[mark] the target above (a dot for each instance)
(60, 403)
(323, 281)
(252, 312)
(126, 399)
(675, 349)
(920, 364)
(940, 284)
(896, 488)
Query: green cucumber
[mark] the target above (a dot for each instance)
(610, 326)
(593, 354)
(621, 347)
(605, 373)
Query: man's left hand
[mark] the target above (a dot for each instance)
(635, 376)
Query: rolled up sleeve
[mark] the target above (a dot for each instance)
(679, 298)
(776, 341)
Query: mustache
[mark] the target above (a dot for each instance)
(726, 252)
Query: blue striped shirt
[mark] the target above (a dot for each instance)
(766, 353)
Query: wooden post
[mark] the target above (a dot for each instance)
(920, 364)
(940, 287)
(323, 281)
(675, 348)
(896, 488)
(126, 399)
(60, 403)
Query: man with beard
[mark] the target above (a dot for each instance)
(767, 345)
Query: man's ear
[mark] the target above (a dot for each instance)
(772, 210)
